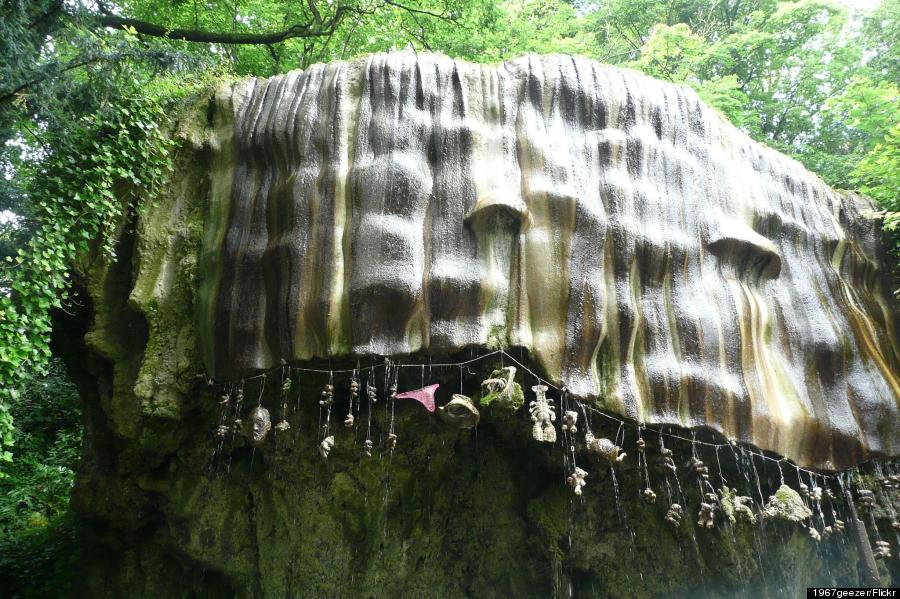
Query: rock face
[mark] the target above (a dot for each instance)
(651, 257)
(642, 251)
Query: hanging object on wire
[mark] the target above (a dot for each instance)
(424, 396)
(605, 449)
(501, 389)
(283, 424)
(577, 480)
(371, 399)
(674, 515)
(349, 419)
(460, 412)
(542, 415)
(570, 421)
(326, 446)
(708, 507)
(258, 426)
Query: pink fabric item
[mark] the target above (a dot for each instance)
(424, 396)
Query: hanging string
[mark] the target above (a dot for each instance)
(519, 363)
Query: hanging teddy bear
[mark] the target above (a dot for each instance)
(577, 481)
(543, 416)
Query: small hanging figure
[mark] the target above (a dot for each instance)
(577, 481)
(349, 420)
(371, 393)
(674, 515)
(743, 510)
(700, 469)
(367, 447)
(605, 448)
(222, 431)
(895, 526)
(816, 494)
(838, 525)
(327, 396)
(865, 500)
(830, 494)
(391, 442)
(641, 444)
(282, 426)
(649, 495)
(707, 516)
(325, 446)
(543, 416)
(223, 401)
(804, 490)
(286, 385)
(882, 550)
(814, 534)
(668, 462)
(570, 419)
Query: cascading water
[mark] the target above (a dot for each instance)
(651, 257)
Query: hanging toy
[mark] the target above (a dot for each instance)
(223, 401)
(668, 462)
(391, 442)
(371, 393)
(460, 412)
(367, 447)
(839, 525)
(700, 469)
(349, 420)
(743, 510)
(814, 534)
(605, 448)
(865, 500)
(786, 504)
(327, 396)
(570, 419)
(649, 495)
(326, 446)
(222, 431)
(707, 515)
(258, 426)
(282, 426)
(674, 515)
(895, 526)
(882, 550)
(543, 416)
(424, 396)
(576, 480)
(804, 490)
(816, 494)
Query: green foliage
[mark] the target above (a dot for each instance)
(78, 200)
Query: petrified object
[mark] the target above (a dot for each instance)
(605, 449)
(674, 515)
(391, 443)
(325, 446)
(367, 447)
(570, 418)
(258, 426)
(576, 480)
(814, 534)
(649, 495)
(882, 550)
(222, 431)
(865, 500)
(349, 420)
(707, 515)
(786, 504)
(459, 412)
(327, 396)
(424, 396)
(700, 469)
(543, 416)
(501, 389)
(667, 460)
(736, 507)
(282, 426)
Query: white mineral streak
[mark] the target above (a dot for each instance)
(651, 257)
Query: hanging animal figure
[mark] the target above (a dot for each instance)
(542, 415)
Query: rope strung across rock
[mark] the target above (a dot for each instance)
(505, 354)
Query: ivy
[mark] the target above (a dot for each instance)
(116, 155)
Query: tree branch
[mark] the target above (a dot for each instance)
(306, 30)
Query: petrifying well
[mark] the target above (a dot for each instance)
(650, 256)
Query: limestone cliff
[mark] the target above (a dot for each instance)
(609, 230)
